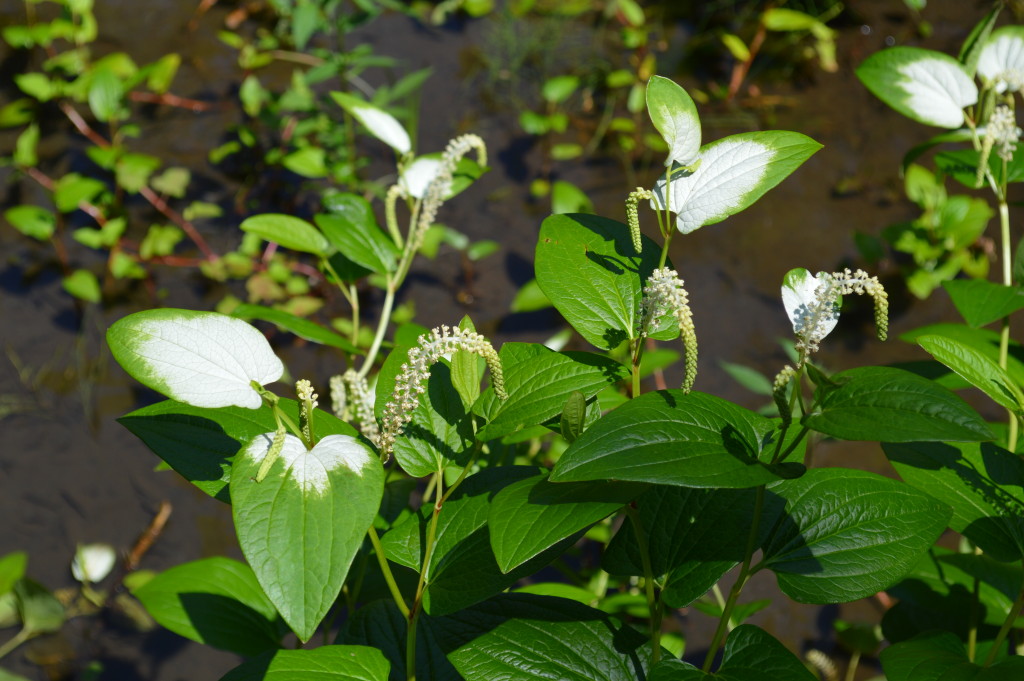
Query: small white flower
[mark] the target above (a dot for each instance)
(93, 562)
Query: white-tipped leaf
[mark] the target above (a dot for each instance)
(927, 86)
(419, 174)
(675, 117)
(203, 359)
(1002, 59)
(733, 173)
(798, 287)
(379, 122)
(302, 525)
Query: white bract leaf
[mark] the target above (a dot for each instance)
(379, 122)
(810, 318)
(203, 359)
(419, 174)
(731, 174)
(310, 469)
(1001, 62)
(93, 562)
(937, 91)
(675, 117)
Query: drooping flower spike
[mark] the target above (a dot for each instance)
(812, 303)
(409, 385)
(352, 400)
(664, 293)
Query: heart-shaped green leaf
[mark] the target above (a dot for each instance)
(531, 515)
(893, 405)
(982, 302)
(847, 534)
(302, 525)
(674, 438)
(587, 268)
(326, 663)
(983, 483)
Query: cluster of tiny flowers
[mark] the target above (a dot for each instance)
(1002, 131)
(439, 187)
(823, 663)
(307, 403)
(352, 401)
(812, 326)
(410, 384)
(633, 215)
(664, 293)
(779, 393)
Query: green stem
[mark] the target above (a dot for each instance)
(382, 560)
(382, 326)
(1011, 618)
(1004, 334)
(664, 248)
(16, 641)
(741, 580)
(851, 669)
(653, 603)
(972, 623)
(637, 356)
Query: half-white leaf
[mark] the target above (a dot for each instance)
(1002, 59)
(675, 117)
(379, 122)
(733, 173)
(419, 174)
(203, 359)
(927, 86)
(798, 287)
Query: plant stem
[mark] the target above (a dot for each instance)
(741, 580)
(1004, 334)
(382, 560)
(1008, 623)
(13, 643)
(851, 669)
(382, 326)
(653, 603)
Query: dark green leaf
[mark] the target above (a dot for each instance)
(216, 601)
(976, 369)
(574, 416)
(538, 381)
(695, 536)
(941, 656)
(521, 637)
(673, 438)
(982, 302)
(882, 403)
(463, 569)
(531, 515)
(983, 483)
(352, 228)
(847, 534)
(326, 663)
(970, 51)
(200, 443)
(587, 267)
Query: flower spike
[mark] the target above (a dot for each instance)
(352, 400)
(633, 216)
(409, 385)
(664, 293)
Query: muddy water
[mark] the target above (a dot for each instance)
(68, 474)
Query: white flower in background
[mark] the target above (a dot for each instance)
(1001, 62)
(93, 562)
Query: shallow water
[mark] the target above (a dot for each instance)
(69, 474)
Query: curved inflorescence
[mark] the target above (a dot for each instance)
(409, 385)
